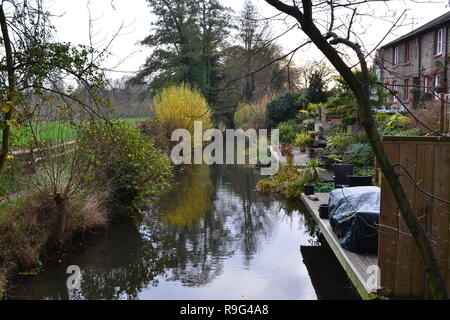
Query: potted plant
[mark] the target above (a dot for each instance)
(286, 151)
(312, 170)
(304, 140)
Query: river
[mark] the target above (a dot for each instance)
(213, 237)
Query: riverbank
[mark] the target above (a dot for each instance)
(210, 233)
(80, 192)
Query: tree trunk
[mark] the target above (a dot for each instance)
(61, 208)
(11, 90)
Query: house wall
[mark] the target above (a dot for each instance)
(422, 63)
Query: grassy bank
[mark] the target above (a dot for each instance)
(50, 131)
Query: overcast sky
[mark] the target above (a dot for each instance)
(72, 23)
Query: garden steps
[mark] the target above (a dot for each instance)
(300, 159)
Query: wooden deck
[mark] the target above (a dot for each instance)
(355, 265)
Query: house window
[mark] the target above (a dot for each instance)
(395, 56)
(406, 90)
(439, 41)
(427, 84)
(437, 83)
(407, 51)
(395, 89)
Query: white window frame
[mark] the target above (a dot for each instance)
(395, 89)
(396, 55)
(439, 41)
(437, 83)
(437, 80)
(426, 84)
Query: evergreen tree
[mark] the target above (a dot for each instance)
(187, 38)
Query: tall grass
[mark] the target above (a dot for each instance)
(253, 115)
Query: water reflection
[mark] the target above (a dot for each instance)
(191, 201)
(214, 237)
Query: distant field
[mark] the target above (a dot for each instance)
(54, 131)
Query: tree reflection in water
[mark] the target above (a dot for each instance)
(214, 213)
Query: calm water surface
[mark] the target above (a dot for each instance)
(214, 237)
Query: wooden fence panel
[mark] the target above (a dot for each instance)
(440, 216)
(424, 177)
(387, 252)
(403, 262)
(427, 160)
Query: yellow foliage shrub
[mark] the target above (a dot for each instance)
(179, 106)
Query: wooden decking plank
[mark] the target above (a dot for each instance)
(355, 265)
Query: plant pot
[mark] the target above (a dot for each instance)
(302, 149)
(324, 211)
(309, 189)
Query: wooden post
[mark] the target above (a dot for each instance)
(447, 116)
(442, 128)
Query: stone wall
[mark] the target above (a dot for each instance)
(423, 62)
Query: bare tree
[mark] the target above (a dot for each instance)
(34, 64)
(330, 38)
(311, 69)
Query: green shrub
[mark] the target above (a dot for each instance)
(284, 108)
(324, 187)
(362, 151)
(334, 157)
(159, 132)
(304, 140)
(138, 173)
(288, 182)
(364, 172)
(392, 124)
(11, 180)
(288, 131)
(312, 170)
(340, 142)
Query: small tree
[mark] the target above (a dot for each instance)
(179, 107)
(344, 102)
(34, 66)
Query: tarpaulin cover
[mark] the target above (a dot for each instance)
(354, 218)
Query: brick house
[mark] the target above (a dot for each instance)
(416, 60)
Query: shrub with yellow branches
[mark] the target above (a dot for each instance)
(179, 106)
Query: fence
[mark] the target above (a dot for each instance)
(427, 160)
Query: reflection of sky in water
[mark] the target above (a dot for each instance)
(215, 237)
(273, 269)
(276, 272)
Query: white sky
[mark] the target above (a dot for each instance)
(72, 24)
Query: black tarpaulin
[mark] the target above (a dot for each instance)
(354, 218)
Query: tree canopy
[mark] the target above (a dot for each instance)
(187, 40)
